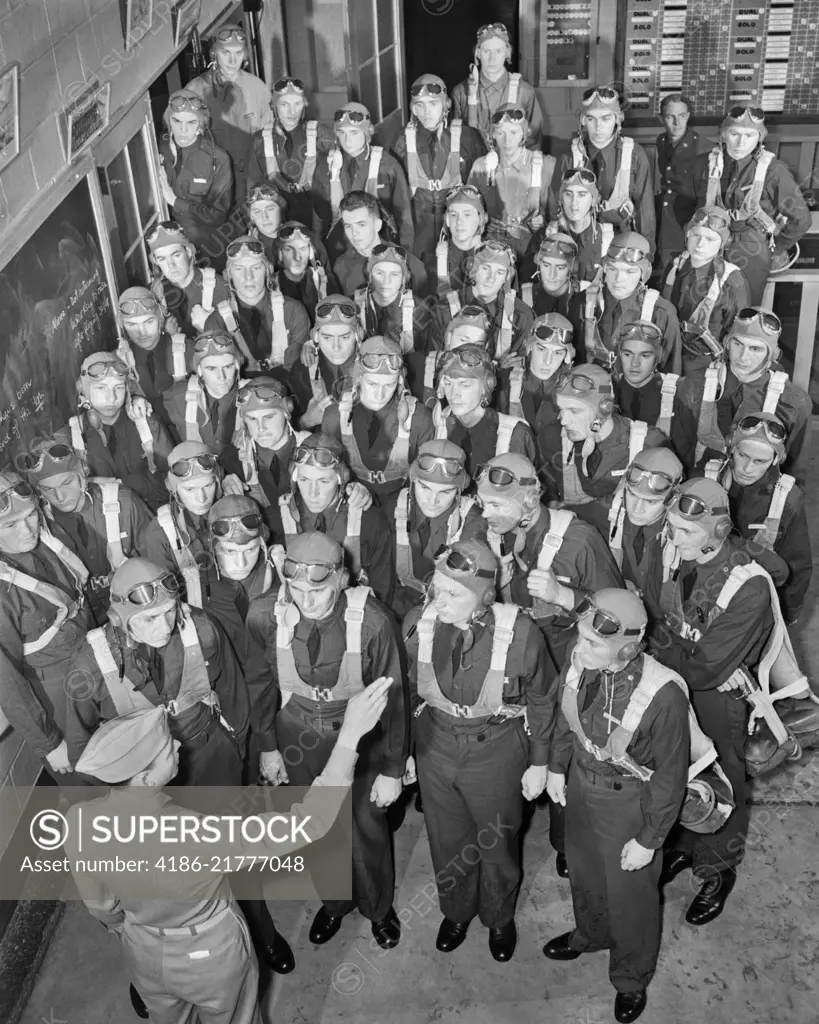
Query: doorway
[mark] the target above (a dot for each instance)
(440, 35)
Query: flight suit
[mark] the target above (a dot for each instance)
(590, 244)
(537, 405)
(480, 442)
(456, 275)
(180, 301)
(433, 149)
(117, 451)
(646, 401)
(492, 95)
(215, 417)
(156, 373)
(191, 542)
(442, 314)
(350, 269)
(606, 807)
(470, 768)
(202, 180)
(256, 327)
(271, 481)
(316, 679)
(794, 408)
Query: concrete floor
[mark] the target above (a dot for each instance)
(756, 964)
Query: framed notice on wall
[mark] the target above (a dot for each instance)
(56, 306)
(566, 41)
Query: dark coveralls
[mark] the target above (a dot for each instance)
(456, 270)
(304, 291)
(480, 441)
(492, 95)
(202, 180)
(350, 270)
(117, 451)
(274, 480)
(642, 403)
(539, 406)
(522, 318)
(470, 769)
(154, 545)
(87, 536)
(749, 246)
(393, 195)
(318, 650)
(36, 688)
(604, 163)
(256, 327)
(605, 808)
(749, 509)
(690, 287)
(794, 409)
(675, 201)
(730, 639)
(216, 421)
(642, 558)
(434, 148)
(180, 301)
(154, 370)
(589, 252)
(301, 380)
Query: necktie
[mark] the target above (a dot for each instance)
(457, 647)
(639, 545)
(688, 585)
(150, 362)
(313, 645)
(320, 525)
(273, 469)
(433, 152)
(423, 535)
(111, 438)
(373, 429)
(82, 534)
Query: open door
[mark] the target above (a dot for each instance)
(377, 71)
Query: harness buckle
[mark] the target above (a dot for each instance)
(111, 507)
(462, 710)
(377, 476)
(97, 582)
(321, 693)
(504, 635)
(173, 708)
(435, 186)
(354, 615)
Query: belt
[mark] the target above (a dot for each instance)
(192, 929)
(606, 781)
(474, 731)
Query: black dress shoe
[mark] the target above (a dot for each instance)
(387, 931)
(673, 863)
(710, 900)
(324, 927)
(451, 934)
(559, 948)
(278, 955)
(629, 1005)
(140, 1009)
(562, 866)
(502, 942)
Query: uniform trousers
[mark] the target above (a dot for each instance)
(613, 909)
(206, 974)
(724, 719)
(469, 776)
(306, 734)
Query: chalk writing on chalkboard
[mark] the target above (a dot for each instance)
(56, 310)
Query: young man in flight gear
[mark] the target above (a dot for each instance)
(156, 351)
(303, 267)
(705, 288)
(270, 327)
(553, 271)
(619, 296)
(489, 86)
(620, 165)
(475, 669)
(767, 208)
(721, 618)
(748, 379)
(319, 475)
(465, 221)
(196, 297)
(354, 164)
(513, 180)
(266, 208)
(677, 150)
(430, 513)
(766, 506)
(637, 522)
(386, 304)
(623, 735)
(100, 519)
(324, 643)
(596, 444)
(641, 390)
(195, 175)
(529, 390)
(203, 407)
(363, 222)
(115, 431)
(178, 538)
(331, 355)
(379, 423)
(462, 414)
(437, 154)
(490, 271)
(163, 940)
(286, 153)
(238, 101)
(43, 622)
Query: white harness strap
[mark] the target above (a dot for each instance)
(514, 87)
(516, 392)
(622, 182)
(638, 432)
(559, 522)
(776, 385)
(77, 440)
(769, 530)
(649, 302)
(505, 333)
(278, 339)
(667, 392)
(606, 234)
(178, 347)
(372, 172)
(183, 556)
(271, 163)
(527, 294)
(506, 427)
(111, 508)
(192, 395)
(407, 322)
(208, 288)
(442, 263)
(454, 303)
(123, 693)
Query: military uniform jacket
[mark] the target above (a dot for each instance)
(676, 200)
(202, 180)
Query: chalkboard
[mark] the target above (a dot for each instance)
(56, 309)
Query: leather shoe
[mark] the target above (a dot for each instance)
(710, 900)
(140, 1009)
(559, 948)
(387, 931)
(673, 863)
(629, 1005)
(278, 955)
(450, 935)
(502, 942)
(561, 866)
(324, 927)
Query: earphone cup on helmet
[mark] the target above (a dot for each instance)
(488, 597)
(722, 529)
(629, 651)
(343, 475)
(606, 406)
